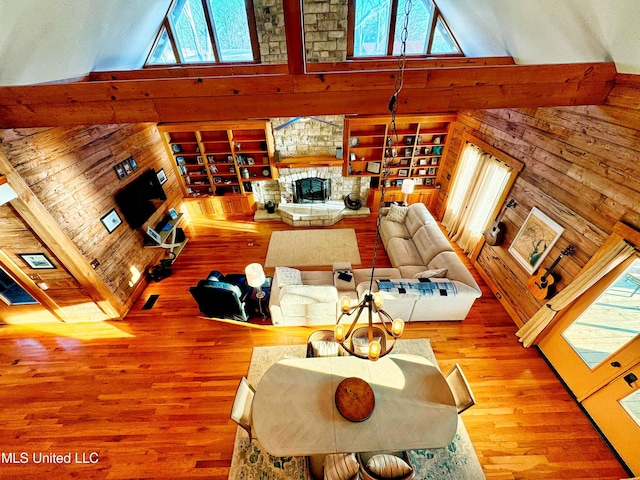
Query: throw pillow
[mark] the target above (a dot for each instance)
(388, 466)
(397, 213)
(340, 466)
(288, 276)
(325, 348)
(437, 272)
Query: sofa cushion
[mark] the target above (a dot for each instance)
(288, 276)
(389, 230)
(317, 277)
(430, 241)
(362, 275)
(397, 213)
(436, 272)
(403, 251)
(456, 269)
(417, 216)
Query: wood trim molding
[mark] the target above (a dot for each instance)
(44, 225)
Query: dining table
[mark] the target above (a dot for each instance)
(297, 403)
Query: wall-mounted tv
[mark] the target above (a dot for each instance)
(140, 198)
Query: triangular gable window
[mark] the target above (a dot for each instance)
(377, 29)
(206, 31)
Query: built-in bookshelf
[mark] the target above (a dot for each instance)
(220, 158)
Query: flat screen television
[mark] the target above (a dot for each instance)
(140, 198)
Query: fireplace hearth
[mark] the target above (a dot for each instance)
(312, 190)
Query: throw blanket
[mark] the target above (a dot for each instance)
(419, 286)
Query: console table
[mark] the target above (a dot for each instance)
(294, 410)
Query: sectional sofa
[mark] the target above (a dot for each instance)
(428, 280)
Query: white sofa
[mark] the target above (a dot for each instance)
(415, 246)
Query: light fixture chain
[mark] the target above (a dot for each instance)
(391, 151)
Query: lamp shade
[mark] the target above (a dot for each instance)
(6, 192)
(408, 186)
(255, 275)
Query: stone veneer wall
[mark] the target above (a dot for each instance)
(325, 24)
(271, 34)
(308, 137)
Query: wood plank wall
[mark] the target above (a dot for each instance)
(582, 168)
(70, 170)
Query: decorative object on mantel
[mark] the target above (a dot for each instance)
(379, 341)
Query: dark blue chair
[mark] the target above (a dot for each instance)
(222, 296)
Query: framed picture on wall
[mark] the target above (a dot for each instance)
(373, 167)
(111, 220)
(37, 261)
(537, 235)
(162, 177)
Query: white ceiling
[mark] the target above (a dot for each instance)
(50, 40)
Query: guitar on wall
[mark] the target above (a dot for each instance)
(495, 235)
(543, 284)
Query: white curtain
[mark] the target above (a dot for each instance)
(529, 332)
(476, 190)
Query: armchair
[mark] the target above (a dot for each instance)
(222, 296)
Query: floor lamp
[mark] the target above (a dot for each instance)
(407, 188)
(256, 278)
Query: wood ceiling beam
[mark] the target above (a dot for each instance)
(266, 96)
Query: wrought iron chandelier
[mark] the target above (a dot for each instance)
(379, 341)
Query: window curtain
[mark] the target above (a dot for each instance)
(617, 254)
(480, 180)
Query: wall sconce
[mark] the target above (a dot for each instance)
(6, 192)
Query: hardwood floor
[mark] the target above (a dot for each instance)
(152, 394)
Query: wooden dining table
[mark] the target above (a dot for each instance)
(294, 408)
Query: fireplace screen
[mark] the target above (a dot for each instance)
(312, 190)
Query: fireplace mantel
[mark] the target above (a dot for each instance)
(309, 162)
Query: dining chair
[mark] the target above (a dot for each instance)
(385, 465)
(333, 466)
(321, 343)
(460, 388)
(241, 410)
(360, 339)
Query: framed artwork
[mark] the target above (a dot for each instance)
(534, 240)
(373, 167)
(162, 177)
(37, 261)
(403, 172)
(133, 163)
(126, 164)
(111, 220)
(120, 171)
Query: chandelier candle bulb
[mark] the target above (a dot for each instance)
(345, 303)
(397, 327)
(338, 333)
(378, 299)
(374, 350)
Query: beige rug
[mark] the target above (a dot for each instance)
(312, 248)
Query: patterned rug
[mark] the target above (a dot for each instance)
(457, 461)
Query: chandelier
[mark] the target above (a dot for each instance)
(379, 341)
